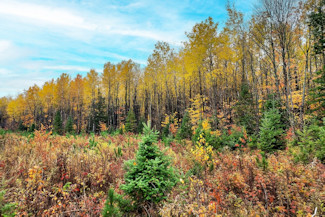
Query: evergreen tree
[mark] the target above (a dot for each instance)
(149, 177)
(99, 112)
(111, 208)
(273, 102)
(21, 126)
(69, 125)
(32, 128)
(131, 122)
(245, 113)
(317, 24)
(271, 131)
(318, 94)
(57, 124)
(185, 131)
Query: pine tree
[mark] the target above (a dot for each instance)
(69, 125)
(110, 208)
(57, 124)
(149, 177)
(21, 126)
(99, 112)
(273, 102)
(245, 113)
(185, 131)
(317, 23)
(131, 122)
(32, 128)
(271, 131)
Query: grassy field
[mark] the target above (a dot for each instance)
(43, 174)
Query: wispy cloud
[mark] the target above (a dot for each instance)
(10, 52)
(44, 14)
(68, 68)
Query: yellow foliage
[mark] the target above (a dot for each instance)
(202, 151)
(206, 125)
(197, 110)
(172, 121)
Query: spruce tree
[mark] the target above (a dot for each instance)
(111, 208)
(273, 102)
(245, 112)
(317, 24)
(271, 131)
(317, 94)
(57, 124)
(99, 112)
(185, 131)
(131, 122)
(150, 177)
(69, 125)
(32, 128)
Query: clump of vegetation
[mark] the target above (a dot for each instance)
(311, 143)
(262, 163)
(6, 209)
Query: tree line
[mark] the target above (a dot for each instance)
(278, 53)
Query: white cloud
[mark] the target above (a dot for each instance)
(20, 83)
(86, 24)
(68, 68)
(9, 52)
(5, 72)
(4, 45)
(45, 15)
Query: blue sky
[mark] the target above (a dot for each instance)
(40, 39)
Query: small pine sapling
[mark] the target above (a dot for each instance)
(271, 131)
(150, 177)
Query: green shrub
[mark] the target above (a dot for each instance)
(6, 209)
(149, 177)
(311, 143)
(118, 152)
(262, 163)
(233, 138)
(167, 140)
(111, 207)
(116, 205)
(3, 132)
(271, 131)
(92, 142)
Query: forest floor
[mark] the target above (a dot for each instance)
(44, 175)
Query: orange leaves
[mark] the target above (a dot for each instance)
(290, 134)
(43, 167)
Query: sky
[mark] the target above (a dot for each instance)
(41, 39)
